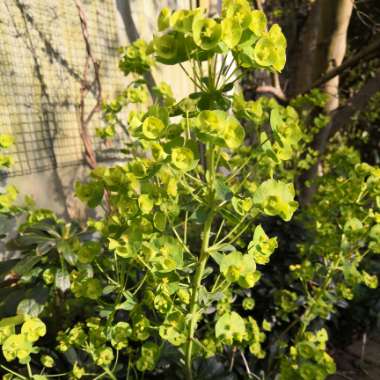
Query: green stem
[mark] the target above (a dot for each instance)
(210, 76)
(30, 373)
(12, 372)
(203, 257)
(195, 292)
(109, 373)
(305, 316)
(221, 69)
(231, 233)
(191, 78)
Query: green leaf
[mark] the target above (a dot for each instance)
(277, 37)
(212, 126)
(239, 9)
(265, 52)
(152, 127)
(258, 24)
(174, 329)
(146, 203)
(279, 40)
(374, 235)
(158, 152)
(17, 346)
(239, 268)
(261, 246)
(234, 133)
(183, 158)
(6, 141)
(166, 254)
(62, 279)
(128, 304)
(93, 288)
(159, 221)
(353, 225)
(150, 353)
(171, 48)
(12, 321)
(241, 206)
(276, 198)
(65, 249)
(136, 58)
(29, 307)
(228, 87)
(120, 334)
(88, 252)
(277, 121)
(91, 193)
(231, 31)
(206, 33)
(230, 327)
(182, 19)
(222, 191)
(163, 20)
(24, 266)
(125, 246)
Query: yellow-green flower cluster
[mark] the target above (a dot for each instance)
(190, 34)
(20, 346)
(308, 359)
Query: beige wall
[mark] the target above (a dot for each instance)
(41, 63)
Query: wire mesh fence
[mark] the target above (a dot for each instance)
(42, 57)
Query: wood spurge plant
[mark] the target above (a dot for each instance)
(162, 285)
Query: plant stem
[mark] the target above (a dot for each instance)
(223, 65)
(305, 316)
(203, 257)
(30, 373)
(198, 86)
(12, 372)
(109, 373)
(195, 291)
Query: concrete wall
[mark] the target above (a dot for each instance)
(41, 65)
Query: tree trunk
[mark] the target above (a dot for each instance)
(305, 55)
(330, 50)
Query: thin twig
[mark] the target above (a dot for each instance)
(232, 359)
(259, 4)
(249, 373)
(351, 62)
(85, 87)
(364, 342)
(275, 91)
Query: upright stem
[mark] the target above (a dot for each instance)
(305, 316)
(195, 292)
(109, 373)
(203, 257)
(30, 373)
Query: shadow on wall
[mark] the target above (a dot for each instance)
(43, 122)
(48, 109)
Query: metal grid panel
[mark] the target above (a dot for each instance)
(42, 57)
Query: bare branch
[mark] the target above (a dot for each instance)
(343, 115)
(85, 87)
(259, 4)
(374, 47)
(275, 91)
(339, 119)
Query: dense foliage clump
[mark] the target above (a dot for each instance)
(164, 284)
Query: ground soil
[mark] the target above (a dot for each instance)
(359, 361)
